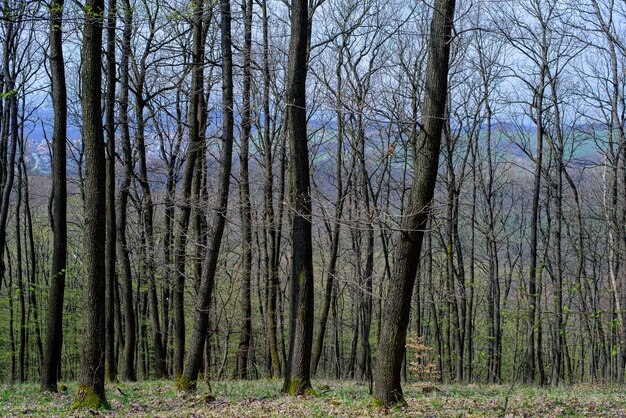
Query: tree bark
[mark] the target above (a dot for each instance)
(534, 226)
(244, 193)
(340, 198)
(185, 213)
(148, 224)
(130, 332)
(396, 317)
(274, 365)
(298, 367)
(111, 240)
(193, 361)
(90, 392)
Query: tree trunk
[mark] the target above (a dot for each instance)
(10, 133)
(130, 333)
(185, 213)
(396, 317)
(534, 226)
(193, 361)
(298, 367)
(244, 193)
(32, 274)
(340, 198)
(148, 223)
(90, 392)
(111, 240)
(20, 273)
(274, 364)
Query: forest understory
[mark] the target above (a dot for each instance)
(263, 398)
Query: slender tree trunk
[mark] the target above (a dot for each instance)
(32, 274)
(20, 273)
(193, 360)
(168, 233)
(365, 305)
(274, 364)
(185, 213)
(11, 323)
(534, 226)
(244, 193)
(148, 223)
(334, 245)
(130, 333)
(10, 133)
(111, 239)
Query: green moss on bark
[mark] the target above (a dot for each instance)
(184, 384)
(86, 397)
(376, 403)
(399, 402)
(296, 387)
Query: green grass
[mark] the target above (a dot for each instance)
(348, 399)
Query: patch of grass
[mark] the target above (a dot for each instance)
(343, 399)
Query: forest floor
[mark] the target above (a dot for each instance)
(345, 399)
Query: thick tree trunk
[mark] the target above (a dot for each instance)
(396, 316)
(298, 367)
(90, 392)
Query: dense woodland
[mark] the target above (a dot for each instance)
(384, 191)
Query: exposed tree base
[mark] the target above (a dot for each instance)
(297, 387)
(185, 385)
(399, 403)
(86, 397)
(389, 399)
